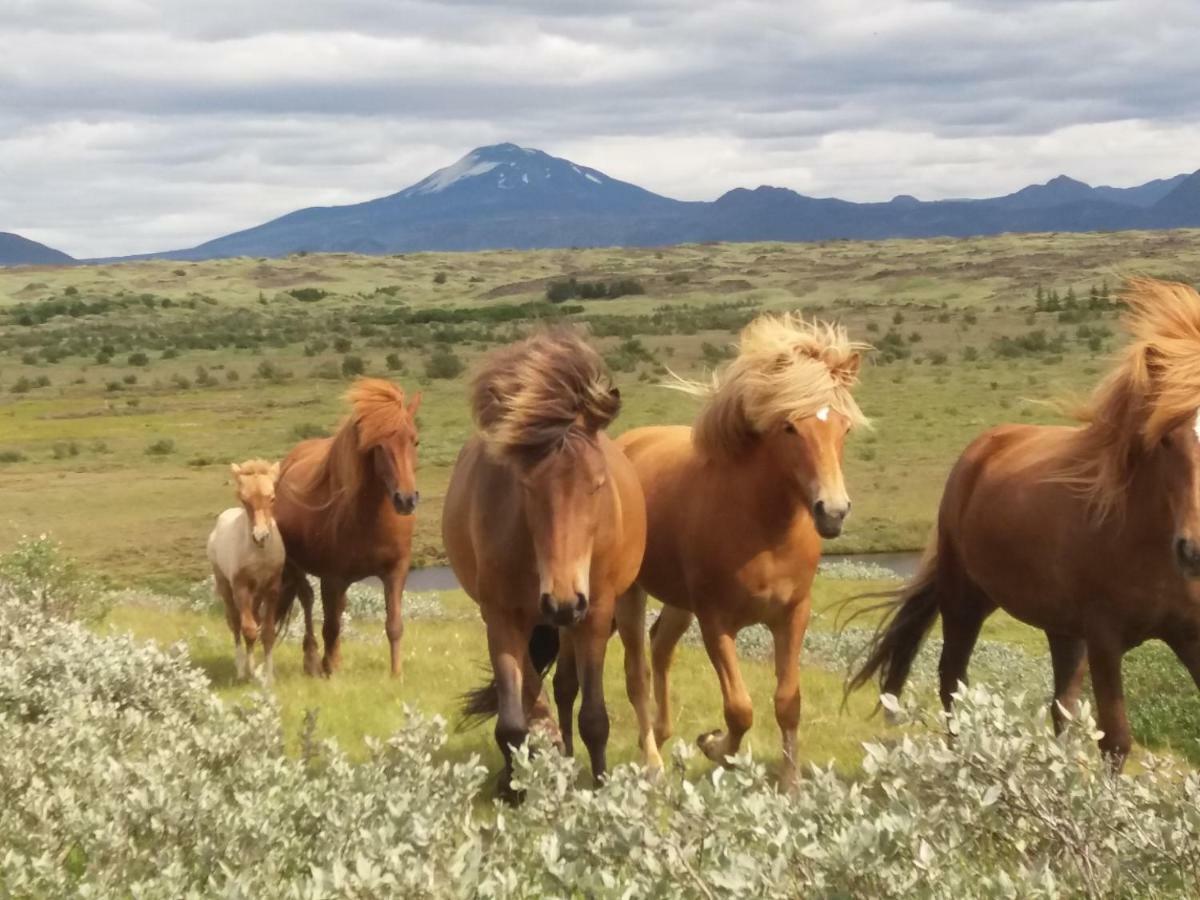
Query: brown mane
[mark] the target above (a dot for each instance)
(1153, 388)
(785, 368)
(530, 398)
(377, 413)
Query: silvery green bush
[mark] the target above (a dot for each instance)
(121, 774)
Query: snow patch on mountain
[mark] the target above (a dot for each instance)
(467, 167)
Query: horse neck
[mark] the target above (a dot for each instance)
(772, 498)
(1147, 509)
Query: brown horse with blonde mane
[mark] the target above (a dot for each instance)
(736, 506)
(545, 526)
(1090, 533)
(344, 506)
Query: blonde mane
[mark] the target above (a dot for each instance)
(377, 413)
(1154, 387)
(530, 398)
(785, 368)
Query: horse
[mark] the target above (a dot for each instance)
(1090, 533)
(346, 509)
(544, 526)
(736, 508)
(247, 555)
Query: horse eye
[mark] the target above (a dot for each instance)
(789, 427)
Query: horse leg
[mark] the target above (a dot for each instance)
(566, 687)
(1186, 647)
(507, 647)
(789, 638)
(631, 624)
(1104, 660)
(963, 612)
(393, 597)
(1068, 656)
(537, 704)
(269, 606)
(225, 592)
(665, 633)
(312, 663)
(739, 713)
(591, 641)
(333, 604)
(244, 597)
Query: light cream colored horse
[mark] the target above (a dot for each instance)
(247, 556)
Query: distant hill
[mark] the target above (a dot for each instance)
(18, 251)
(505, 196)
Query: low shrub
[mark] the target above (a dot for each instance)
(124, 774)
(443, 363)
(161, 447)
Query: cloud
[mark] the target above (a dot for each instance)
(131, 126)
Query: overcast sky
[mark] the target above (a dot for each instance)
(137, 125)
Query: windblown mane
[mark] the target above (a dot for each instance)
(377, 413)
(255, 467)
(1154, 388)
(529, 398)
(785, 368)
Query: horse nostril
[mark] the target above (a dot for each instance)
(547, 605)
(581, 603)
(819, 507)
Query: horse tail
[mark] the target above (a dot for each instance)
(910, 613)
(481, 703)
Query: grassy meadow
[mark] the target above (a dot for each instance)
(126, 389)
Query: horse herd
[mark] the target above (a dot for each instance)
(559, 533)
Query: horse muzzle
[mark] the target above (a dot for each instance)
(1187, 555)
(406, 503)
(829, 519)
(561, 614)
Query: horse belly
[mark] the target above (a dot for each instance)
(1020, 556)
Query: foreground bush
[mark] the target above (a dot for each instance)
(123, 775)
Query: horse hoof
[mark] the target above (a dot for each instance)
(710, 745)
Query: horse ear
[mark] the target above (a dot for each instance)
(848, 370)
(1154, 362)
(235, 469)
(274, 471)
(414, 404)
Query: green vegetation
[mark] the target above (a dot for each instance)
(225, 360)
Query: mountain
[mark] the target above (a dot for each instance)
(498, 196)
(18, 251)
(505, 196)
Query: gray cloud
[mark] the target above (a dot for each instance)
(129, 126)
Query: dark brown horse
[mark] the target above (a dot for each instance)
(345, 507)
(1091, 533)
(545, 526)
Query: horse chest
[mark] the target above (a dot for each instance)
(767, 584)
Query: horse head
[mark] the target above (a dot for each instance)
(255, 481)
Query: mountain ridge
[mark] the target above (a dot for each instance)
(503, 196)
(16, 250)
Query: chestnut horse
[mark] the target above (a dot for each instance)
(545, 526)
(345, 509)
(736, 507)
(246, 554)
(1090, 533)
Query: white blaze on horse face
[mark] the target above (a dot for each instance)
(823, 414)
(1196, 426)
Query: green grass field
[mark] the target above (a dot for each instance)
(126, 389)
